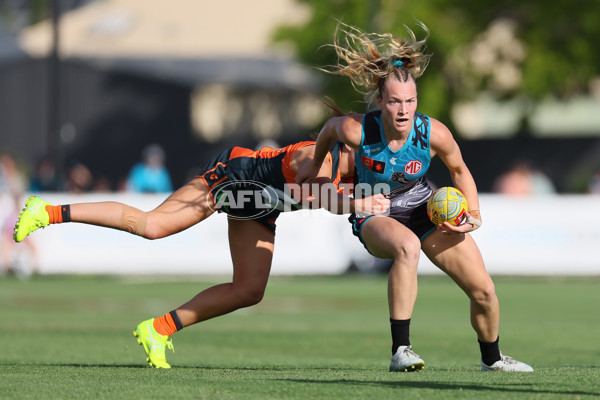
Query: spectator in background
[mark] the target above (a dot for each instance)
(11, 180)
(80, 179)
(523, 179)
(45, 180)
(150, 175)
(102, 185)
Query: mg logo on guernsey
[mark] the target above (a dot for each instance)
(413, 167)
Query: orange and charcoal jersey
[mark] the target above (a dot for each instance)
(240, 180)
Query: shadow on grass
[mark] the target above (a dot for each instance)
(282, 368)
(409, 384)
(514, 387)
(77, 365)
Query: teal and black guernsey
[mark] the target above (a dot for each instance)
(400, 175)
(382, 170)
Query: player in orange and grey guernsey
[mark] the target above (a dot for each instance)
(250, 186)
(394, 146)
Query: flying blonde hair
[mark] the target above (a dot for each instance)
(368, 59)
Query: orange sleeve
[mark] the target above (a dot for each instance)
(242, 152)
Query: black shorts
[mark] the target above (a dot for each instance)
(238, 178)
(415, 219)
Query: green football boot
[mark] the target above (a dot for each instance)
(33, 217)
(154, 344)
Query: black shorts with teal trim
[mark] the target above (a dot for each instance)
(415, 219)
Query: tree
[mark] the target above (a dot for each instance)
(508, 49)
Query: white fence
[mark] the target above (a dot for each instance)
(530, 236)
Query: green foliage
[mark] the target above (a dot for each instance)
(560, 41)
(311, 40)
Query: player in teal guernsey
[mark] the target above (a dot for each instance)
(378, 163)
(393, 148)
(401, 172)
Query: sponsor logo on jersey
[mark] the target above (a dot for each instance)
(369, 150)
(413, 167)
(373, 165)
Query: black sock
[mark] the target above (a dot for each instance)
(490, 352)
(176, 319)
(65, 211)
(400, 333)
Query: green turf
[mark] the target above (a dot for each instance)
(310, 338)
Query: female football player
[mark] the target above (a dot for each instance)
(251, 187)
(394, 146)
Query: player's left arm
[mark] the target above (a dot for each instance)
(338, 202)
(443, 144)
(323, 193)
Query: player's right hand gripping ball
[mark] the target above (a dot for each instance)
(447, 204)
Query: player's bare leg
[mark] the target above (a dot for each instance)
(458, 256)
(251, 252)
(251, 248)
(184, 208)
(389, 239)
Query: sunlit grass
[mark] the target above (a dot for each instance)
(311, 338)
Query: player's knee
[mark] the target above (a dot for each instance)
(250, 296)
(408, 249)
(485, 295)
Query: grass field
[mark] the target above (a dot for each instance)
(69, 337)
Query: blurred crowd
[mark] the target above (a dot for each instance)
(149, 175)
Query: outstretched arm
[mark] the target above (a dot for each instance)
(340, 203)
(321, 192)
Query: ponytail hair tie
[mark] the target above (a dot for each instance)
(397, 63)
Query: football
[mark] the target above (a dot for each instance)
(447, 204)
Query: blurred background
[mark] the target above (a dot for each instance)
(133, 96)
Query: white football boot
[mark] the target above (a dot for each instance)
(506, 364)
(406, 360)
